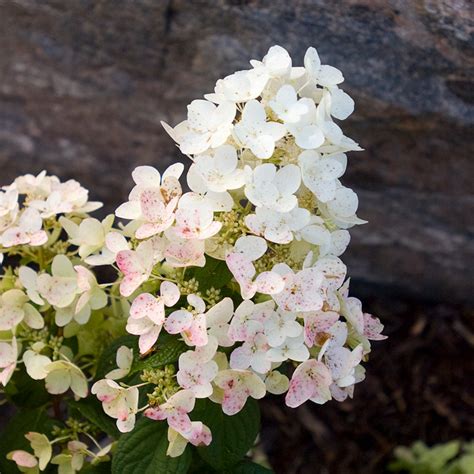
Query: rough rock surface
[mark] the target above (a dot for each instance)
(84, 85)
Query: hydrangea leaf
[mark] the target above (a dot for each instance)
(167, 351)
(232, 436)
(144, 450)
(91, 409)
(12, 436)
(214, 274)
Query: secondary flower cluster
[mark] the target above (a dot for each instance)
(265, 222)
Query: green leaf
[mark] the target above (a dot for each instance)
(143, 451)
(167, 351)
(214, 274)
(100, 468)
(232, 436)
(13, 435)
(249, 467)
(91, 409)
(25, 392)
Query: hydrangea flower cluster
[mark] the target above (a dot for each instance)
(243, 270)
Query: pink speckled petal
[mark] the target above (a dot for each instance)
(200, 434)
(130, 283)
(178, 321)
(147, 306)
(242, 268)
(152, 205)
(155, 413)
(234, 399)
(309, 379)
(179, 421)
(197, 333)
(373, 328)
(127, 262)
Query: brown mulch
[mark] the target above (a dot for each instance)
(418, 386)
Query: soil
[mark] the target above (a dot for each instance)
(418, 386)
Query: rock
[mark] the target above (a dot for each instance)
(85, 85)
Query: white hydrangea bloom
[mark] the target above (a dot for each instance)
(15, 308)
(275, 64)
(274, 188)
(219, 170)
(153, 200)
(118, 402)
(342, 208)
(208, 126)
(239, 87)
(256, 133)
(65, 198)
(28, 230)
(265, 219)
(89, 235)
(320, 175)
(321, 74)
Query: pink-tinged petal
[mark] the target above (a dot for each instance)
(311, 379)
(147, 306)
(340, 394)
(38, 238)
(150, 229)
(188, 223)
(152, 205)
(179, 421)
(10, 317)
(155, 413)
(127, 262)
(178, 321)
(14, 236)
(301, 389)
(234, 400)
(200, 434)
(269, 283)
(23, 459)
(170, 293)
(316, 323)
(235, 390)
(183, 253)
(84, 278)
(130, 283)
(197, 333)
(373, 328)
(242, 268)
(146, 341)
